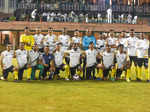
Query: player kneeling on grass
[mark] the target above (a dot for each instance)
(121, 61)
(58, 58)
(74, 59)
(21, 56)
(34, 62)
(6, 62)
(48, 63)
(91, 56)
(108, 62)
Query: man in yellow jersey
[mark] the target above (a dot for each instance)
(27, 39)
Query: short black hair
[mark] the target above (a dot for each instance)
(58, 43)
(8, 44)
(50, 28)
(76, 30)
(111, 30)
(26, 28)
(120, 45)
(123, 31)
(132, 30)
(91, 43)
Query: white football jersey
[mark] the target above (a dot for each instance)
(74, 57)
(112, 41)
(122, 41)
(131, 42)
(21, 56)
(100, 44)
(76, 40)
(142, 46)
(58, 56)
(7, 58)
(50, 41)
(121, 59)
(38, 38)
(90, 57)
(108, 59)
(33, 57)
(65, 40)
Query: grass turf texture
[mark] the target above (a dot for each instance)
(74, 96)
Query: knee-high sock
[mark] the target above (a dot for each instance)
(15, 75)
(40, 71)
(79, 73)
(28, 72)
(139, 72)
(113, 73)
(67, 71)
(147, 73)
(37, 73)
(133, 70)
(100, 73)
(136, 70)
(123, 75)
(33, 71)
(128, 74)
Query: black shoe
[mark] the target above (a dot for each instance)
(139, 80)
(147, 80)
(15, 80)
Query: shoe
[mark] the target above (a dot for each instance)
(112, 79)
(128, 80)
(2, 78)
(15, 80)
(138, 79)
(99, 79)
(67, 79)
(147, 80)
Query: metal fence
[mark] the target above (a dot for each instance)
(66, 7)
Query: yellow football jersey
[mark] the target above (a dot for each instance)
(28, 40)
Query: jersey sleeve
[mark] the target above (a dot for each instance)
(32, 41)
(84, 43)
(94, 41)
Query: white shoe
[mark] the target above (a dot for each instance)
(128, 80)
(67, 79)
(2, 78)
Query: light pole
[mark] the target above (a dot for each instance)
(133, 6)
(38, 4)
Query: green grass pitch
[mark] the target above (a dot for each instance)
(74, 96)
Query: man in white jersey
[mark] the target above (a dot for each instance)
(33, 61)
(77, 39)
(21, 56)
(64, 39)
(108, 61)
(142, 46)
(100, 43)
(38, 37)
(121, 61)
(122, 40)
(6, 61)
(50, 39)
(91, 56)
(58, 58)
(74, 59)
(111, 40)
(131, 44)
